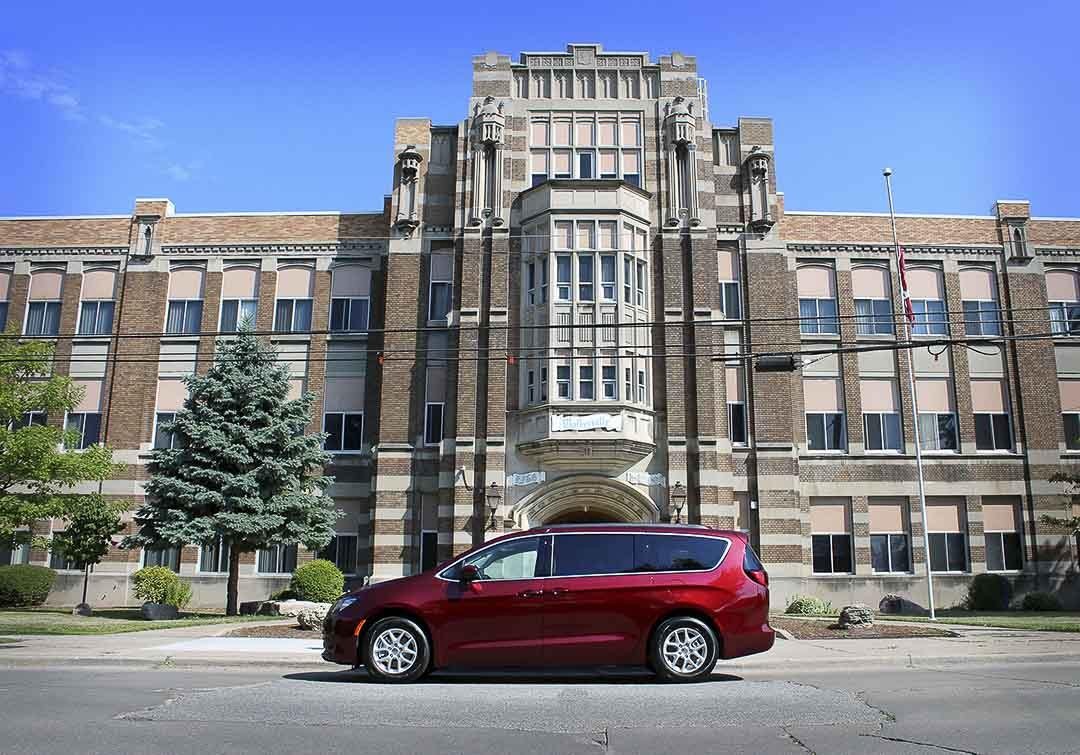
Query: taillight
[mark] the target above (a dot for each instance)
(760, 576)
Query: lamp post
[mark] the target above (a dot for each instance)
(493, 496)
(678, 500)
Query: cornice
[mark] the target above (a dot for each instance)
(935, 249)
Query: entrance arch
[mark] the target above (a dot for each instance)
(584, 498)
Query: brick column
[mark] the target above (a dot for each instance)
(467, 512)
(209, 325)
(669, 374)
(849, 363)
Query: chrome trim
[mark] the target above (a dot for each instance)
(551, 566)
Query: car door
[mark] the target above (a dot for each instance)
(495, 620)
(596, 607)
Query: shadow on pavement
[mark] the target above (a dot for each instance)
(526, 676)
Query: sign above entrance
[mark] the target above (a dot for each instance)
(525, 478)
(578, 422)
(645, 478)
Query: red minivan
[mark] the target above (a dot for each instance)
(673, 597)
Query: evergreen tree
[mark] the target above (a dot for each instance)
(39, 462)
(242, 468)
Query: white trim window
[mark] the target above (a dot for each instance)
(882, 431)
(586, 391)
(938, 431)
(873, 317)
(609, 382)
(214, 557)
(1003, 551)
(563, 382)
(929, 317)
(1065, 318)
(1071, 423)
(96, 317)
(737, 423)
(162, 555)
(58, 561)
(639, 284)
(344, 431)
(563, 275)
(30, 419)
(277, 559)
(543, 384)
(429, 550)
(832, 553)
(433, 423)
(184, 317)
(87, 425)
(607, 277)
(165, 438)
(292, 315)
(730, 300)
(15, 552)
(890, 552)
(342, 551)
(642, 387)
(993, 432)
(948, 552)
(349, 314)
(237, 314)
(982, 317)
(818, 317)
(440, 299)
(530, 386)
(825, 431)
(42, 318)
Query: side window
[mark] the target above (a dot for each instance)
(593, 554)
(677, 552)
(513, 559)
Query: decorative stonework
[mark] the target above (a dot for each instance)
(408, 191)
(488, 126)
(680, 130)
(758, 165)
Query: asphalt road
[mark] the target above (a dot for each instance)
(977, 708)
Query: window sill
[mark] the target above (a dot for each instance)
(345, 335)
(949, 573)
(277, 335)
(892, 573)
(820, 337)
(837, 575)
(995, 452)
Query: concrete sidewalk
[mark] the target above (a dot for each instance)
(208, 647)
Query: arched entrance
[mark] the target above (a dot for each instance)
(584, 499)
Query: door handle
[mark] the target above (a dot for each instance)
(530, 593)
(557, 591)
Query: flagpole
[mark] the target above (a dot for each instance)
(914, 394)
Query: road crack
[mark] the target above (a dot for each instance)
(796, 740)
(901, 740)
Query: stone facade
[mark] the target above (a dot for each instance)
(553, 318)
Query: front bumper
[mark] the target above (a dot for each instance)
(340, 639)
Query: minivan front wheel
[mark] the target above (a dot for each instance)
(396, 650)
(684, 649)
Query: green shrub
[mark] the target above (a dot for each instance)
(1040, 601)
(988, 592)
(808, 605)
(286, 594)
(159, 584)
(318, 580)
(25, 585)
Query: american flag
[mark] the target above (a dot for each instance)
(903, 286)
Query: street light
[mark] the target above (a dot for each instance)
(493, 495)
(678, 500)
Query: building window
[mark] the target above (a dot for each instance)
(818, 316)
(13, 553)
(86, 425)
(608, 376)
(585, 277)
(43, 318)
(345, 431)
(981, 318)
(1065, 318)
(640, 283)
(530, 386)
(889, 552)
(1071, 421)
(31, 419)
(607, 277)
(628, 279)
(292, 315)
(873, 317)
(567, 146)
(562, 381)
(642, 395)
(163, 555)
(937, 431)
(882, 431)
(237, 314)
(96, 318)
(929, 317)
(832, 554)
(585, 383)
(277, 559)
(993, 432)
(947, 552)
(341, 550)
(831, 536)
(433, 424)
(214, 557)
(628, 384)
(530, 282)
(562, 276)
(3, 315)
(429, 550)
(544, 384)
(441, 290)
(349, 315)
(57, 559)
(165, 438)
(737, 423)
(730, 301)
(1003, 552)
(825, 431)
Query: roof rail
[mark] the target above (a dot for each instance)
(637, 525)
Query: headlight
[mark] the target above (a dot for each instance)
(343, 603)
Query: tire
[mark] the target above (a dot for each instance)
(683, 649)
(396, 650)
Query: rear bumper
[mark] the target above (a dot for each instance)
(749, 643)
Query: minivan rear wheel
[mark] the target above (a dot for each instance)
(396, 650)
(683, 649)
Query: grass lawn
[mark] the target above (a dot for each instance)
(1037, 621)
(16, 621)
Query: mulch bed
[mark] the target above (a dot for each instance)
(815, 629)
(286, 631)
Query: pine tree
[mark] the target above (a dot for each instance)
(242, 468)
(40, 463)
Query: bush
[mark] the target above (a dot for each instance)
(25, 585)
(285, 594)
(318, 580)
(159, 584)
(808, 605)
(988, 592)
(1040, 601)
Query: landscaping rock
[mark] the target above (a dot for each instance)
(159, 612)
(83, 609)
(856, 615)
(287, 607)
(312, 618)
(251, 608)
(897, 605)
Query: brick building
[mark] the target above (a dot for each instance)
(546, 322)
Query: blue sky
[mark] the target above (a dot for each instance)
(291, 106)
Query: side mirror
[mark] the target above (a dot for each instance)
(469, 573)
